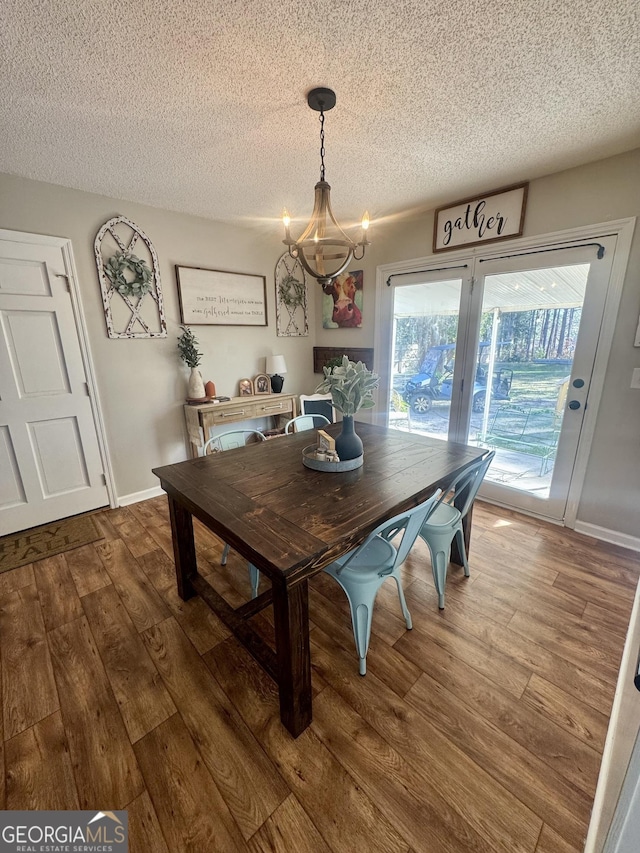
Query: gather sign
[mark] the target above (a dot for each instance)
(482, 219)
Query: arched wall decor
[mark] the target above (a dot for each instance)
(291, 298)
(133, 308)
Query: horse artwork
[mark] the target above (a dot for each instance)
(342, 301)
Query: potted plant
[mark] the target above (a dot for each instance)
(189, 353)
(351, 385)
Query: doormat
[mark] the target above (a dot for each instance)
(46, 540)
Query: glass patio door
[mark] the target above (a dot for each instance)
(536, 321)
(499, 352)
(428, 314)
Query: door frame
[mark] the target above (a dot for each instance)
(71, 275)
(622, 229)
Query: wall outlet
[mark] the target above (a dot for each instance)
(635, 378)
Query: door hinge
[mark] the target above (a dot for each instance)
(473, 282)
(103, 477)
(86, 389)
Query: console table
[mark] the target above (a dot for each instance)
(200, 419)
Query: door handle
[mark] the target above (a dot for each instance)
(574, 404)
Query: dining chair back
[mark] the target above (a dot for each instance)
(305, 422)
(318, 404)
(445, 522)
(362, 572)
(230, 441)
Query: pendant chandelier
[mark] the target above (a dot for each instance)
(323, 249)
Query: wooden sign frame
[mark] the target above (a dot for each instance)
(486, 218)
(321, 355)
(221, 298)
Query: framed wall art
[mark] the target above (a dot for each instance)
(291, 298)
(484, 218)
(342, 301)
(129, 281)
(219, 298)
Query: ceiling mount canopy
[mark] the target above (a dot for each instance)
(323, 248)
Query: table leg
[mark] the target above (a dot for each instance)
(184, 548)
(291, 615)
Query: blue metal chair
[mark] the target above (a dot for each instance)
(305, 422)
(229, 441)
(362, 572)
(445, 522)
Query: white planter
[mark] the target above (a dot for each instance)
(195, 389)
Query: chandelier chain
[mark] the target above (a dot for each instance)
(321, 145)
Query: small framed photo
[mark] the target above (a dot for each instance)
(261, 384)
(245, 388)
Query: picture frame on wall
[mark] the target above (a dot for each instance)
(220, 298)
(261, 384)
(342, 301)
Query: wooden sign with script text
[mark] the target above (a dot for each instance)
(483, 219)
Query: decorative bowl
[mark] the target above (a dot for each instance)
(309, 461)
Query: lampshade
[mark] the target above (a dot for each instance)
(275, 364)
(323, 249)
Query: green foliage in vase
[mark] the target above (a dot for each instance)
(351, 385)
(188, 348)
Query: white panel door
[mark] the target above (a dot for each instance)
(50, 464)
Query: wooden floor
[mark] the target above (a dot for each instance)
(480, 730)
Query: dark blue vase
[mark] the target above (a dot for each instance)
(348, 443)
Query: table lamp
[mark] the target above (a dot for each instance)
(275, 366)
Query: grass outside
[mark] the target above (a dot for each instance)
(537, 383)
(529, 422)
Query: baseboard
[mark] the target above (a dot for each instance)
(136, 497)
(606, 535)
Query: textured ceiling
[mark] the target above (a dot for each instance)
(199, 106)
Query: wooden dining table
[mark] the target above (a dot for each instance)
(291, 522)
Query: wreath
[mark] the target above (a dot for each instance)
(123, 262)
(292, 292)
